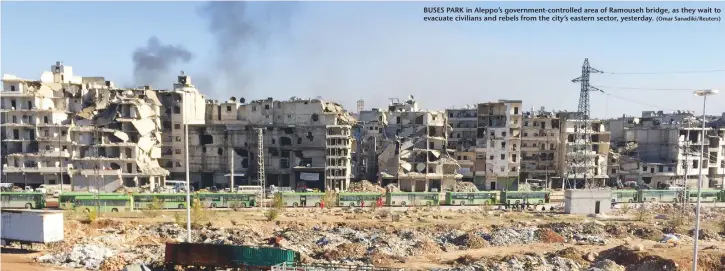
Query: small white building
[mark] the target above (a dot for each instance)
(590, 201)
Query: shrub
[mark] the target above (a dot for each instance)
(277, 208)
(154, 207)
(91, 215)
(199, 216)
(642, 213)
(330, 199)
(624, 208)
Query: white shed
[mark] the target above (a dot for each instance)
(589, 201)
(32, 226)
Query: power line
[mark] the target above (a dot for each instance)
(642, 88)
(635, 101)
(670, 72)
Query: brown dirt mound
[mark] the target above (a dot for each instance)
(115, 263)
(427, 246)
(348, 250)
(549, 236)
(463, 260)
(637, 260)
(572, 254)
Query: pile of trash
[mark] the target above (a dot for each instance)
(365, 186)
(465, 187)
(86, 256)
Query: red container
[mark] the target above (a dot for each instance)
(191, 254)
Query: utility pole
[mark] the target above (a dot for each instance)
(98, 166)
(583, 117)
(231, 162)
(260, 164)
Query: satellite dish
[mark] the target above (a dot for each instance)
(420, 167)
(410, 97)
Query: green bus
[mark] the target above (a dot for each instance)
(67, 199)
(622, 196)
(106, 203)
(166, 201)
(526, 197)
(658, 195)
(302, 199)
(27, 200)
(356, 199)
(226, 200)
(412, 199)
(708, 195)
(471, 198)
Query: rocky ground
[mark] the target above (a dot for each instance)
(417, 239)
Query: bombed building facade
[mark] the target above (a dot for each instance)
(540, 143)
(304, 143)
(659, 149)
(79, 131)
(409, 146)
(462, 139)
(581, 167)
(499, 142)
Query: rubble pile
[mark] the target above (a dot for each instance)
(365, 186)
(81, 256)
(465, 187)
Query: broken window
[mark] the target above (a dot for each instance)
(178, 164)
(503, 156)
(15, 119)
(220, 151)
(284, 163)
(30, 105)
(178, 139)
(12, 88)
(177, 126)
(177, 109)
(516, 111)
(166, 125)
(177, 151)
(266, 107)
(229, 108)
(45, 119)
(254, 108)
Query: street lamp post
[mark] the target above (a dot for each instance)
(703, 94)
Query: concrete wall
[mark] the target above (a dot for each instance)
(585, 201)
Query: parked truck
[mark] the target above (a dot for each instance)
(28, 227)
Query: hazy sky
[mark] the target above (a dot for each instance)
(346, 51)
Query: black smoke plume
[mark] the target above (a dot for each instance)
(155, 59)
(237, 32)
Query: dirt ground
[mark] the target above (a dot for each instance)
(20, 260)
(430, 218)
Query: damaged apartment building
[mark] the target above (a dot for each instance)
(540, 141)
(305, 143)
(462, 139)
(408, 147)
(661, 149)
(79, 131)
(580, 167)
(498, 143)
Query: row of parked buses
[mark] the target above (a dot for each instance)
(115, 202)
(669, 196)
(118, 202)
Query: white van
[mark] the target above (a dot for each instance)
(256, 189)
